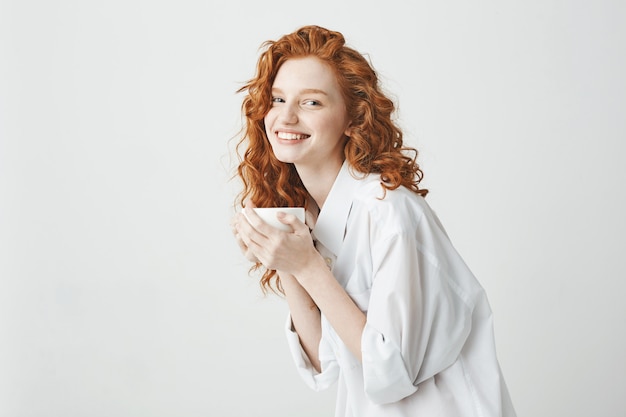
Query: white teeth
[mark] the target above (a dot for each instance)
(290, 136)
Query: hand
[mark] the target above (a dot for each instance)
(234, 225)
(275, 249)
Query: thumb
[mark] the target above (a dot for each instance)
(290, 219)
(248, 203)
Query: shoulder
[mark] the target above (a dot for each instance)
(399, 210)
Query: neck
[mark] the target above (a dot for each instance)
(317, 181)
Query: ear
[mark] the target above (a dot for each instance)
(348, 130)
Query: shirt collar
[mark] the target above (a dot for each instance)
(331, 223)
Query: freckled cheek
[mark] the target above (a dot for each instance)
(268, 121)
(267, 124)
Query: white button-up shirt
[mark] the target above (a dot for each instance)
(428, 345)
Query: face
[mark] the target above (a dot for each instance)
(308, 123)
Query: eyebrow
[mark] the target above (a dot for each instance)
(305, 91)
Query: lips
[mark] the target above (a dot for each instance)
(291, 136)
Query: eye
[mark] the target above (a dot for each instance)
(311, 103)
(277, 100)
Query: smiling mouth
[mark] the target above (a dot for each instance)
(291, 136)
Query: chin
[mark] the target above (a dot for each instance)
(285, 159)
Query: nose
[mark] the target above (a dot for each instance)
(288, 113)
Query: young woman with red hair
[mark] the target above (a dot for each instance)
(379, 299)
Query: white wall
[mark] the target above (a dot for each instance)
(122, 292)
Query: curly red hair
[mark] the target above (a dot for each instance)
(375, 144)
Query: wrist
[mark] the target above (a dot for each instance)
(313, 271)
(287, 280)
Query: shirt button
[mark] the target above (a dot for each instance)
(329, 262)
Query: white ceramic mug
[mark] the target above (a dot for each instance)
(268, 215)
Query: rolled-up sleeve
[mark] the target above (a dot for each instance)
(418, 318)
(330, 369)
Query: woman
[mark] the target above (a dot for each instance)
(379, 299)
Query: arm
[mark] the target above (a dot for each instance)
(342, 313)
(294, 254)
(305, 317)
(419, 313)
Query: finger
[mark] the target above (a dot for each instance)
(248, 203)
(244, 223)
(293, 221)
(258, 223)
(233, 223)
(242, 246)
(254, 238)
(247, 253)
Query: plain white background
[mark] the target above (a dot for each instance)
(122, 292)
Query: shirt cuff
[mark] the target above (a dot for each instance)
(317, 381)
(385, 375)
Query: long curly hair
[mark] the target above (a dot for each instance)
(375, 144)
